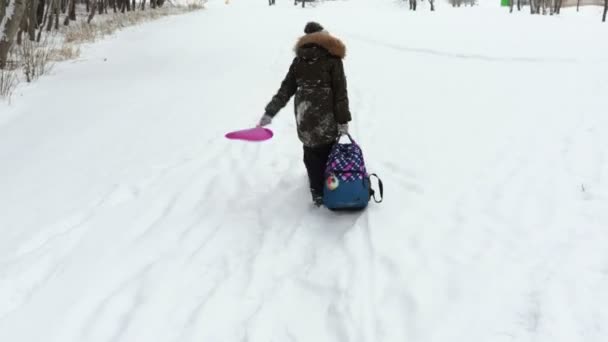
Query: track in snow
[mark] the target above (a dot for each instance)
(133, 220)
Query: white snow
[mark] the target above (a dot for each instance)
(126, 216)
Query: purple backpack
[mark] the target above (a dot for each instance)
(347, 183)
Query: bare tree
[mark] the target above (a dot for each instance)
(605, 10)
(2, 7)
(42, 19)
(536, 6)
(458, 3)
(40, 13)
(550, 6)
(578, 4)
(24, 23)
(53, 8)
(413, 4)
(432, 3)
(92, 13)
(71, 12)
(33, 19)
(9, 25)
(558, 6)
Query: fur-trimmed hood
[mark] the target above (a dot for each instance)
(323, 39)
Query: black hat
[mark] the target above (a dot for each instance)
(313, 27)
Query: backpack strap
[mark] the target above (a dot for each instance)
(380, 186)
(352, 141)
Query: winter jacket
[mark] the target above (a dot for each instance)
(316, 77)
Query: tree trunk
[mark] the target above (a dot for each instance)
(51, 11)
(2, 7)
(558, 6)
(143, 5)
(9, 25)
(72, 14)
(40, 13)
(518, 5)
(33, 25)
(66, 21)
(45, 18)
(57, 15)
(605, 10)
(93, 11)
(578, 4)
(24, 24)
(432, 3)
(511, 3)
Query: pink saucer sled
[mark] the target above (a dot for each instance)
(251, 134)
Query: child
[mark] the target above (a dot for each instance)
(316, 77)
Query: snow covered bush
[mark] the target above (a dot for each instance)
(67, 51)
(108, 24)
(35, 58)
(8, 82)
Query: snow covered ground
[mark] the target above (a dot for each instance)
(126, 216)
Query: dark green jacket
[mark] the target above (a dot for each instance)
(316, 77)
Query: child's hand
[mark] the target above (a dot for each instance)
(343, 129)
(265, 120)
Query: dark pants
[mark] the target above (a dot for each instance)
(315, 159)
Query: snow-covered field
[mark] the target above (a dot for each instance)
(126, 216)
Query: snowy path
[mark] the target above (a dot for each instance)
(125, 216)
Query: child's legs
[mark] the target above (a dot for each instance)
(315, 159)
